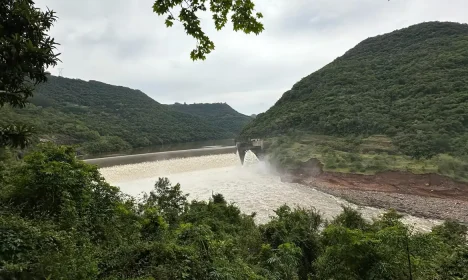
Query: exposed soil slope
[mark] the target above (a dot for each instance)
(427, 195)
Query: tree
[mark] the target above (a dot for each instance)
(169, 199)
(26, 50)
(14, 136)
(244, 18)
(52, 183)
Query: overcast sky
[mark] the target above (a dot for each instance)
(123, 42)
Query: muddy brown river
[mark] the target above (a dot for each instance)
(252, 186)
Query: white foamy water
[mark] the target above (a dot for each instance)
(252, 186)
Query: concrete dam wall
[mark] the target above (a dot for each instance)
(132, 159)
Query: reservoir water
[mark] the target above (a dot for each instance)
(252, 186)
(166, 147)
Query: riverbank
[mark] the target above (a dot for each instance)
(372, 172)
(423, 195)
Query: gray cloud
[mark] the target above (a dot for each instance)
(122, 42)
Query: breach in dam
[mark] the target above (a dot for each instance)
(256, 146)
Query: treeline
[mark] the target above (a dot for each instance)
(103, 118)
(409, 85)
(219, 115)
(61, 220)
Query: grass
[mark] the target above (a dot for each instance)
(356, 155)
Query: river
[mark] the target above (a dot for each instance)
(254, 187)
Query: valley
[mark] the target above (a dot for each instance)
(358, 172)
(99, 118)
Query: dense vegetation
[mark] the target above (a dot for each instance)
(219, 115)
(61, 220)
(367, 156)
(409, 85)
(105, 118)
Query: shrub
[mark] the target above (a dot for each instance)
(450, 166)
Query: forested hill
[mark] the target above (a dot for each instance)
(219, 115)
(103, 118)
(411, 85)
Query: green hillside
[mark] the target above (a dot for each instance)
(219, 115)
(104, 118)
(410, 85)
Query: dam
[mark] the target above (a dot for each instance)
(159, 156)
(253, 185)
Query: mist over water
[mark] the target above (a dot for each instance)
(252, 186)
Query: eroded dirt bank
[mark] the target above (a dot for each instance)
(425, 195)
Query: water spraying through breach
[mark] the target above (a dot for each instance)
(250, 158)
(255, 146)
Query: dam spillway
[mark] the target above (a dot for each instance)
(159, 156)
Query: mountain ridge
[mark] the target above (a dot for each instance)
(220, 115)
(100, 117)
(409, 84)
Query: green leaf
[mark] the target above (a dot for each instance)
(169, 23)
